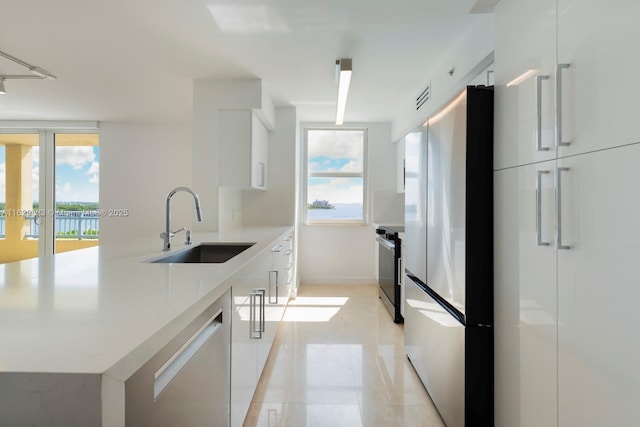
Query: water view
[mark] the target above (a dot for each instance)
(340, 211)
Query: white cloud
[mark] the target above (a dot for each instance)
(66, 189)
(337, 190)
(336, 143)
(94, 171)
(35, 154)
(35, 182)
(353, 166)
(76, 157)
(94, 168)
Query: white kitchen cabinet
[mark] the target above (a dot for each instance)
(283, 263)
(243, 150)
(599, 41)
(596, 236)
(400, 166)
(187, 382)
(525, 40)
(525, 319)
(258, 307)
(599, 289)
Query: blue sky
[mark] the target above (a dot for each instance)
(77, 173)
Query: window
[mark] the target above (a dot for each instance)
(335, 176)
(77, 169)
(48, 192)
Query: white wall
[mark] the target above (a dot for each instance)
(139, 165)
(471, 53)
(329, 254)
(276, 206)
(209, 97)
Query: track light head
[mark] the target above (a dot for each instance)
(38, 71)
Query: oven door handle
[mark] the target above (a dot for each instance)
(387, 244)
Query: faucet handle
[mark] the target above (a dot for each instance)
(188, 237)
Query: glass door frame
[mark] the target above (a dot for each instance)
(46, 130)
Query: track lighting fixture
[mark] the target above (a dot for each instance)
(38, 73)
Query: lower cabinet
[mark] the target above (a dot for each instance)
(187, 382)
(567, 245)
(259, 300)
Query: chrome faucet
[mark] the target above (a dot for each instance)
(168, 234)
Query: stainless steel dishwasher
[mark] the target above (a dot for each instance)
(187, 383)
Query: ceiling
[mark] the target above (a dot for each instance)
(135, 60)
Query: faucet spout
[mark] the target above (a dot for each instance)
(166, 236)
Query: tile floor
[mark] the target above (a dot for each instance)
(339, 360)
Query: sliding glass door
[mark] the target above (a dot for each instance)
(77, 212)
(49, 200)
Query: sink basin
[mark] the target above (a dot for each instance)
(206, 253)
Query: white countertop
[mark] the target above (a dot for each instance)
(104, 310)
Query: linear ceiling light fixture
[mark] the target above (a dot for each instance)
(38, 73)
(343, 75)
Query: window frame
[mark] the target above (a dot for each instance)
(364, 175)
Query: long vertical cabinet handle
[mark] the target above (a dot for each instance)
(253, 333)
(399, 270)
(539, 80)
(256, 328)
(559, 69)
(262, 292)
(559, 208)
(271, 273)
(539, 208)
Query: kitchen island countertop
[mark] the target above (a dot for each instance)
(104, 310)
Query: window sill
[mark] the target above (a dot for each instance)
(336, 224)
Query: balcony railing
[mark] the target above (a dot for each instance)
(69, 225)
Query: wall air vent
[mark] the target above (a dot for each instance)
(424, 96)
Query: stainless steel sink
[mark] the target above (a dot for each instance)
(206, 253)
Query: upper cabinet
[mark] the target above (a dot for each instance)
(525, 57)
(243, 150)
(562, 87)
(598, 42)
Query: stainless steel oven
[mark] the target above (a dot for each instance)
(389, 270)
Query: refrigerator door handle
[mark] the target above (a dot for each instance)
(559, 208)
(539, 80)
(559, 69)
(539, 208)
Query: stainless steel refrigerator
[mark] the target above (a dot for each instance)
(449, 257)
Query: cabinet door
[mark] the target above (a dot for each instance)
(599, 289)
(525, 297)
(524, 115)
(276, 300)
(599, 42)
(243, 149)
(187, 382)
(244, 352)
(252, 331)
(259, 153)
